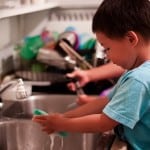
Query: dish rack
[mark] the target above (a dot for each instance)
(59, 19)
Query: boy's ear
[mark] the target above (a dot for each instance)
(132, 37)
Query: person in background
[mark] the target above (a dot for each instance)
(123, 28)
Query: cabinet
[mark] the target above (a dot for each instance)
(16, 23)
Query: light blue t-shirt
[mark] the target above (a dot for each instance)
(130, 106)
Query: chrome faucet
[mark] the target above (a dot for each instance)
(15, 90)
(21, 91)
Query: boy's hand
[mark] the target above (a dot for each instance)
(50, 123)
(81, 76)
(83, 99)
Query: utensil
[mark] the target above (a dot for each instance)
(79, 91)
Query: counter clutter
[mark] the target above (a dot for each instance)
(80, 48)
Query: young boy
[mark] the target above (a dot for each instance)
(123, 28)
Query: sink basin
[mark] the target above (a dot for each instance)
(49, 103)
(23, 134)
(18, 132)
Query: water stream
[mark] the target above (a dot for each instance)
(53, 142)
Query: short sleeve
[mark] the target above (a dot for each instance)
(127, 103)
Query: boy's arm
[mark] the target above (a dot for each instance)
(107, 71)
(86, 118)
(90, 123)
(85, 124)
(93, 107)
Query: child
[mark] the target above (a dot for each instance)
(123, 28)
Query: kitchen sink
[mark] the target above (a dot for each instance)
(19, 132)
(23, 134)
(49, 103)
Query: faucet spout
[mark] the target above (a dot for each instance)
(6, 85)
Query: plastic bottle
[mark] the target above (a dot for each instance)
(31, 47)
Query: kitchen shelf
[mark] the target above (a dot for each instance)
(79, 3)
(20, 10)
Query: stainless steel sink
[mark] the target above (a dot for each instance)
(49, 103)
(23, 134)
(27, 135)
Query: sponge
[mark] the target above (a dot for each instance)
(41, 112)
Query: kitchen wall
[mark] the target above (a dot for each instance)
(14, 29)
(8, 31)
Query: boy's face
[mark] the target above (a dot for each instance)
(119, 50)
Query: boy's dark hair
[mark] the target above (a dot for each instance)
(116, 17)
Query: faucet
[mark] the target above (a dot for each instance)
(13, 91)
(15, 86)
(21, 91)
(3, 86)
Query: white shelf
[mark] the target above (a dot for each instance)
(9, 12)
(80, 3)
